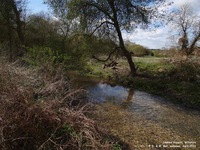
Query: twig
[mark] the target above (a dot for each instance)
(109, 56)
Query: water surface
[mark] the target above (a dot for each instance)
(143, 120)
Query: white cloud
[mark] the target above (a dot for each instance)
(148, 38)
(159, 38)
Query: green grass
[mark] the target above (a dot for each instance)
(177, 81)
(150, 59)
(185, 93)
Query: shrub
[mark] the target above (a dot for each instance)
(43, 55)
(138, 50)
(188, 70)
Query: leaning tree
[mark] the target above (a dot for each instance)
(111, 16)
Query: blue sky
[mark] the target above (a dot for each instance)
(150, 39)
(36, 6)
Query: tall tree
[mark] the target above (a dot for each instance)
(13, 10)
(110, 16)
(188, 26)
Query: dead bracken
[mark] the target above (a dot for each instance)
(37, 112)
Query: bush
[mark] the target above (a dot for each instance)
(37, 56)
(166, 52)
(186, 71)
(138, 50)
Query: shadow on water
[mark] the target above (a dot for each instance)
(141, 118)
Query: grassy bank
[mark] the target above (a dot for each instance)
(40, 110)
(176, 80)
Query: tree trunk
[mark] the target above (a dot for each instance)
(125, 51)
(9, 28)
(191, 48)
(121, 41)
(130, 61)
(18, 22)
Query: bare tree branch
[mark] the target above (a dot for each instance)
(105, 22)
(109, 56)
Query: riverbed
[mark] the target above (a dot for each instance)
(140, 119)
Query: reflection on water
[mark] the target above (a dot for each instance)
(130, 95)
(102, 92)
(182, 122)
(126, 103)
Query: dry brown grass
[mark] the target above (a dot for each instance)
(42, 111)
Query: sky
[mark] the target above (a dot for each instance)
(160, 37)
(152, 39)
(36, 6)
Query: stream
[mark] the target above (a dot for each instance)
(140, 119)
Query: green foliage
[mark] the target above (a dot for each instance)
(154, 68)
(95, 69)
(138, 50)
(81, 48)
(90, 45)
(47, 57)
(104, 19)
(165, 52)
(44, 56)
(93, 13)
(116, 146)
(177, 80)
(41, 31)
